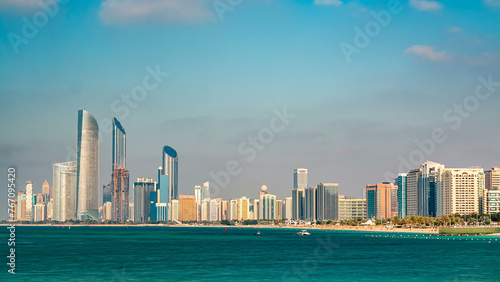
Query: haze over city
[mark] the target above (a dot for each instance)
(229, 73)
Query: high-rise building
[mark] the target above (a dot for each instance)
(107, 193)
(131, 211)
(120, 184)
(327, 201)
(153, 200)
(287, 208)
(267, 205)
(401, 183)
(46, 192)
(142, 202)
(64, 187)
(379, 200)
(492, 179)
(300, 178)
(119, 174)
(243, 208)
(205, 190)
(29, 201)
(197, 193)
(174, 208)
(107, 211)
(170, 168)
(21, 206)
(278, 210)
(412, 184)
(351, 208)
(225, 210)
(310, 200)
(233, 209)
(50, 210)
(463, 190)
(87, 171)
(39, 212)
(205, 210)
(119, 145)
(427, 188)
(213, 210)
(298, 204)
(188, 208)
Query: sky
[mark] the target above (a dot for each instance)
(355, 91)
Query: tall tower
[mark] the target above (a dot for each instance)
(119, 176)
(65, 196)
(87, 171)
(300, 178)
(29, 201)
(327, 201)
(46, 192)
(170, 163)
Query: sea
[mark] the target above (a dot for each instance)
(138, 253)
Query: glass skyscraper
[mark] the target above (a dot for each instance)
(401, 183)
(119, 153)
(300, 178)
(328, 201)
(170, 163)
(87, 172)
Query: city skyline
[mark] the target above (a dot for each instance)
(210, 85)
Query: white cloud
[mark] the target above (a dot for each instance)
(328, 2)
(147, 11)
(455, 29)
(427, 53)
(493, 3)
(424, 5)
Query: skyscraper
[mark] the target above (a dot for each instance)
(46, 192)
(310, 207)
(463, 190)
(300, 178)
(327, 201)
(205, 190)
(287, 208)
(492, 179)
(401, 183)
(267, 205)
(119, 145)
(29, 201)
(197, 193)
(188, 208)
(107, 192)
(64, 187)
(298, 204)
(427, 189)
(120, 203)
(170, 164)
(379, 200)
(87, 171)
(412, 191)
(142, 203)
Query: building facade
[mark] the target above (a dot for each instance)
(327, 201)
(351, 208)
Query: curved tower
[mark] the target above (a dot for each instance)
(119, 145)
(170, 162)
(87, 172)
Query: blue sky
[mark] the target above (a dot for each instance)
(227, 73)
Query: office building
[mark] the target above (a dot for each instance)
(107, 193)
(142, 202)
(379, 200)
(287, 208)
(310, 206)
(170, 169)
(197, 193)
(327, 201)
(278, 210)
(243, 208)
(493, 201)
(492, 179)
(29, 201)
(46, 192)
(300, 178)
(188, 208)
(130, 211)
(298, 204)
(175, 210)
(205, 190)
(87, 167)
(267, 204)
(401, 183)
(412, 190)
(39, 212)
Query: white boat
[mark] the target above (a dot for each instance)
(304, 233)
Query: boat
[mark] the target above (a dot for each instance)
(304, 233)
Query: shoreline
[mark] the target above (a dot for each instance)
(332, 228)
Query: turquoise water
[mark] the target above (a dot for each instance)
(179, 253)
